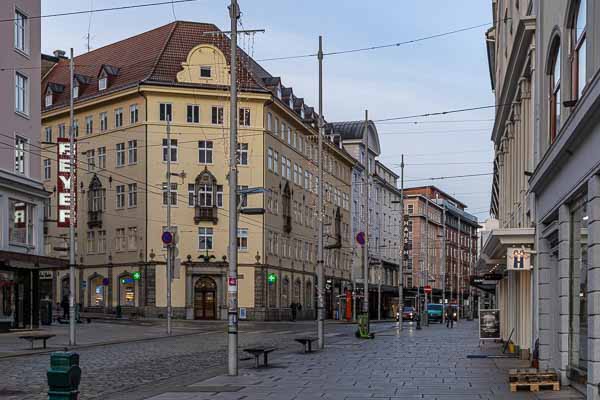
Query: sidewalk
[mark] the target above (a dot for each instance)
(427, 364)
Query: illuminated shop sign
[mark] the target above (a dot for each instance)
(66, 183)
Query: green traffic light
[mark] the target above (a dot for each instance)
(271, 278)
(136, 276)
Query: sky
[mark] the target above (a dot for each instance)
(440, 74)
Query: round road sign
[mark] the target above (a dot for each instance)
(360, 238)
(167, 237)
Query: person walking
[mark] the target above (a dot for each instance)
(449, 318)
(294, 308)
(64, 303)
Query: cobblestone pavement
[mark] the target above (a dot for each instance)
(427, 364)
(128, 370)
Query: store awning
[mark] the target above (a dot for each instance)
(493, 253)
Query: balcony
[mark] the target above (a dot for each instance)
(206, 213)
(94, 219)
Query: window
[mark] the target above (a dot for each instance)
(75, 92)
(102, 157)
(21, 95)
(98, 199)
(205, 195)
(132, 150)
(132, 238)
(103, 121)
(289, 169)
(217, 115)
(91, 159)
(294, 139)
(242, 153)
(101, 242)
(89, 125)
(205, 152)
(411, 208)
(120, 157)
(120, 239)
(166, 112)
(132, 195)
(306, 180)
(193, 114)
(554, 95)
(205, 72)
(283, 130)
(289, 135)
(205, 238)
(578, 49)
(134, 114)
(118, 117)
(220, 196)
(48, 134)
(269, 122)
(191, 194)
(172, 194)
(165, 148)
(244, 117)
(91, 242)
(102, 83)
(283, 163)
(295, 173)
(275, 162)
(20, 228)
(276, 130)
(21, 147)
(270, 159)
(76, 128)
(47, 169)
(120, 196)
(242, 239)
(48, 99)
(242, 197)
(20, 31)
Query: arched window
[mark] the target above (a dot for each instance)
(285, 292)
(126, 290)
(578, 27)
(554, 91)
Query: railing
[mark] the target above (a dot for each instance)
(204, 213)
(95, 219)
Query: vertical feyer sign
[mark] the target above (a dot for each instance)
(66, 185)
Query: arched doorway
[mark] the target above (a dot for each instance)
(205, 299)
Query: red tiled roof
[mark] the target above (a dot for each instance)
(153, 56)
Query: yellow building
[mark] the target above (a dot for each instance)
(125, 94)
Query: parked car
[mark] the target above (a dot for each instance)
(434, 312)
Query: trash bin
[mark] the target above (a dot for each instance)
(64, 376)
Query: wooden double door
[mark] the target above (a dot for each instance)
(205, 299)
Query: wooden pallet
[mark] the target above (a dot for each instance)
(534, 386)
(532, 375)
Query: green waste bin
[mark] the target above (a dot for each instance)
(64, 376)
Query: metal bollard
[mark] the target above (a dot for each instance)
(64, 376)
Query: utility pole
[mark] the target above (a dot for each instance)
(232, 288)
(72, 202)
(402, 246)
(365, 307)
(443, 262)
(320, 274)
(169, 229)
(459, 271)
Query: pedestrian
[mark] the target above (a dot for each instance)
(294, 308)
(449, 318)
(65, 306)
(298, 307)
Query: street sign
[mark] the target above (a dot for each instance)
(167, 237)
(232, 281)
(271, 278)
(105, 281)
(360, 238)
(427, 289)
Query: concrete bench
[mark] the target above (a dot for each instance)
(32, 338)
(260, 351)
(307, 342)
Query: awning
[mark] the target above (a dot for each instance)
(493, 253)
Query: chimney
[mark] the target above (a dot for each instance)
(59, 53)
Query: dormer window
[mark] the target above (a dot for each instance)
(302, 113)
(205, 72)
(279, 92)
(291, 102)
(102, 83)
(48, 102)
(75, 92)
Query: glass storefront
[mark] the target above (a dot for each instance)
(127, 291)
(98, 292)
(578, 327)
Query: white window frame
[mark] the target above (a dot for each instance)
(172, 194)
(243, 154)
(134, 114)
(119, 197)
(119, 117)
(102, 157)
(195, 114)
(21, 156)
(132, 154)
(89, 125)
(21, 94)
(245, 116)
(47, 169)
(174, 151)
(132, 195)
(206, 234)
(21, 32)
(103, 121)
(102, 83)
(205, 147)
(120, 154)
(220, 115)
(242, 240)
(167, 114)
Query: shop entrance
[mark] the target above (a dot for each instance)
(205, 296)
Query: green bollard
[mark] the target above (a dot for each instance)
(64, 376)
(363, 327)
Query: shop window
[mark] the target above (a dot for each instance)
(98, 292)
(20, 228)
(127, 291)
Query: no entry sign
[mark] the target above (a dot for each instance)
(427, 289)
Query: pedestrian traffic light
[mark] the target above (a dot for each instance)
(136, 276)
(271, 278)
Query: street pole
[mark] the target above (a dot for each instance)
(443, 262)
(232, 288)
(320, 274)
(402, 246)
(170, 245)
(365, 307)
(459, 271)
(72, 201)
(379, 291)
(426, 315)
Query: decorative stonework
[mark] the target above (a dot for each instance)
(208, 56)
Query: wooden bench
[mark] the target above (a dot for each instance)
(306, 342)
(258, 351)
(34, 337)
